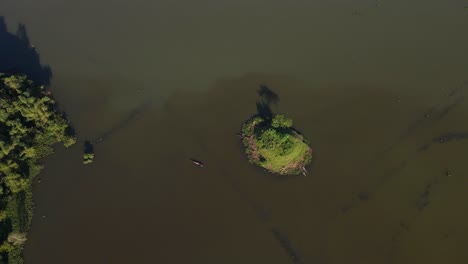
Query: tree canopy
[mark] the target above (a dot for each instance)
(281, 121)
(30, 125)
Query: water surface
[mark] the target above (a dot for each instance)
(377, 86)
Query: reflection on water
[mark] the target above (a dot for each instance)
(18, 55)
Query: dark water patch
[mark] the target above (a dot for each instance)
(418, 122)
(429, 118)
(424, 198)
(423, 202)
(424, 147)
(448, 108)
(448, 137)
(361, 197)
(441, 110)
(286, 244)
(123, 123)
(364, 196)
(18, 55)
(443, 139)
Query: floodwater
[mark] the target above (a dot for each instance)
(378, 87)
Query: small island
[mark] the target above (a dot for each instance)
(88, 154)
(273, 144)
(88, 158)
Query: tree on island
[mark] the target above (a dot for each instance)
(280, 121)
(271, 142)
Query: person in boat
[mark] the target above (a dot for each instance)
(198, 163)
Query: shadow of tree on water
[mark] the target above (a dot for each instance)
(268, 95)
(267, 98)
(264, 110)
(17, 55)
(88, 147)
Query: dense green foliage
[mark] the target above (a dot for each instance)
(29, 127)
(88, 158)
(281, 121)
(274, 145)
(271, 139)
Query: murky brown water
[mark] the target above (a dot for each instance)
(380, 92)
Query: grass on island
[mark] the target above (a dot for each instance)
(274, 145)
(295, 157)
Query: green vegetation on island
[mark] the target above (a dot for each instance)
(88, 158)
(88, 153)
(29, 126)
(273, 144)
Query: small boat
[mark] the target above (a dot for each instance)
(304, 171)
(198, 163)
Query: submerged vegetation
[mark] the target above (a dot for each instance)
(29, 126)
(273, 144)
